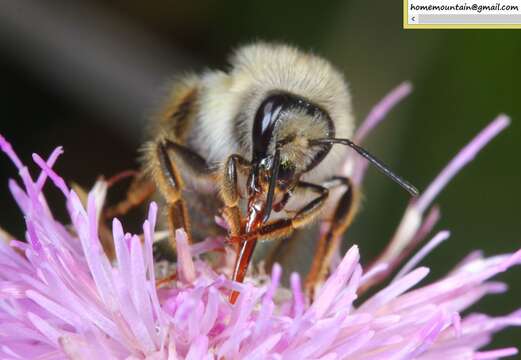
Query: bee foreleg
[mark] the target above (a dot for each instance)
(230, 191)
(171, 184)
(330, 240)
(284, 227)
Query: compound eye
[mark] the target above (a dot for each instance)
(264, 123)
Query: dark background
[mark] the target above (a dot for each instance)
(84, 75)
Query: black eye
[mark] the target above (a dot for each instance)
(264, 123)
(268, 114)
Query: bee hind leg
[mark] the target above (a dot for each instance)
(139, 191)
(330, 240)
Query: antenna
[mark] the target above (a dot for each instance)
(384, 169)
(273, 181)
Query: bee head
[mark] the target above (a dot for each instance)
(290, 137)
(283, 130)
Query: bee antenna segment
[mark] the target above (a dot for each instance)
(384, 169)
(273, 181)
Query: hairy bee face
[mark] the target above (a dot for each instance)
(286, 123)
(283, 130)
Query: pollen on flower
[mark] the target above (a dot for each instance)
(60, 295)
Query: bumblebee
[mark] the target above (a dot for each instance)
(256, 143)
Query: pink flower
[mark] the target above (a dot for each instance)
(61, 297)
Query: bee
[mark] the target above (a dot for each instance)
(256, 143)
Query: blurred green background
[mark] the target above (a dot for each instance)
(85, 74)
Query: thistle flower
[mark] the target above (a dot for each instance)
(61, 297)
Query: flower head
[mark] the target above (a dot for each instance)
(60, 296)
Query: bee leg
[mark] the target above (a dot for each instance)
(139, 191)
(284, 227)
(276, 229)
(330, 240)
(170, 183)
(230, 191)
